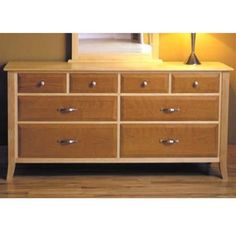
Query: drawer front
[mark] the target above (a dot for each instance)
(195, 83)
(63, 108)
(139, 140)
(93, 83)
(174, 108)
(144, 83)
(67, 141)
(41, 83)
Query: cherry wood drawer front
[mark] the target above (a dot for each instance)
(93, 82)
(195, 83)
(144, 83)
(42, 83)
(138, 140)
(174, 108)
(71, 108)
(56, 141)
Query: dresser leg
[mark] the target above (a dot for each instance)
(10, 170)
(223, 170)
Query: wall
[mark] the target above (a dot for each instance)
(209, 47)
(173, 47)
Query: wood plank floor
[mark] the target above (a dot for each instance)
(86, 181)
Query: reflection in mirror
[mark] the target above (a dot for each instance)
(97, 43)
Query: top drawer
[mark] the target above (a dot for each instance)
(195, 82)
(41, 82)
(93, 83)
(144, 83)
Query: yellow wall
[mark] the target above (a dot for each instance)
(209, 47)
(32, 47)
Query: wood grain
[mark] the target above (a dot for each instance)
(149, 108)
(144, 140)
(224, 125)
(123, 160)
(94, 108)
(12, 128)
(105, 82)
(133, 82)
(114, 66)
(30, 82)
(183, 82)
(93, 141)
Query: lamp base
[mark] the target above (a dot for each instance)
(193, 60)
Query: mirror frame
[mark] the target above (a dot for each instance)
(124, 57)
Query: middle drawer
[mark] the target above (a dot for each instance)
(63, 108)
(173, 108)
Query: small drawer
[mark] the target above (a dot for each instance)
(63, 108)
(173, 108)
(41, 83)
(150, 140)
(195, 82)
(67, 141)
(93, 82)
(144, 83)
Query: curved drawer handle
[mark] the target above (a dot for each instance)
(67, 141)
(67, 109)
(169, 141)
(169, 110)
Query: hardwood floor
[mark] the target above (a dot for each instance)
(85, 181)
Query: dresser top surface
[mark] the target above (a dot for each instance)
(113, 66)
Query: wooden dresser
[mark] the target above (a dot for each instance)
(60, 112)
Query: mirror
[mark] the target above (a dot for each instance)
(113, 43)
(114, 46)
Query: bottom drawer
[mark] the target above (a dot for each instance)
(67, 141)
(138, 140)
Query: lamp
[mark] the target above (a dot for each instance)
(193, 60)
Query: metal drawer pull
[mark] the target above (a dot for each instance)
(195, 84)
(93, 84)
(67, 109)
(41, 83)
(169, 141)
(67, 141)
(169, 110)
(144, 84)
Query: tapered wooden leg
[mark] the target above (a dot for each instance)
(12, 124)
(223, 170)
(224, 125)
(10, 170)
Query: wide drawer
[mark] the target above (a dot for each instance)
(41, 82)
(138, 140)
(173, 108)
(67, 141)
(93, 82)
(144, 83)
(67, 108)
(195, 82)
